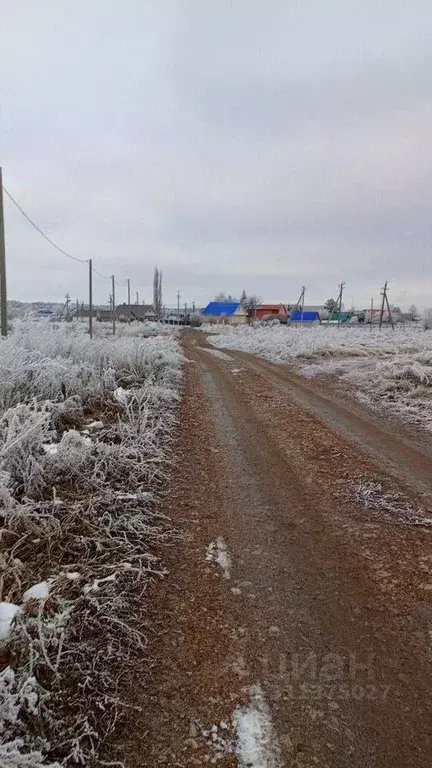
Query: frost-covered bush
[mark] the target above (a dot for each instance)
(54, 363)
(84, 452)
(281, 344)
(24, 429)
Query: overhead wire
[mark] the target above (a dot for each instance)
(109, 277)
(58, 248)
(41, 232)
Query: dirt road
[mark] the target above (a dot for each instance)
(294, 625)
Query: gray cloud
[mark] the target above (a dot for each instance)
(248, 144)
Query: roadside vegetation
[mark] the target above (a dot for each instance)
(85, 431)
(391, 369)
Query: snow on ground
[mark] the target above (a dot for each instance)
(8, 611)
(217, 552)
(85, 430)
(257, 745)
(219, 354)
(391, 369)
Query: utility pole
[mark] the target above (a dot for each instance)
(338, 304)
(178, 307)
(385, 301)
(137, 298)
(299, 304)
(113, 305)
(128, 283)
(371, 313)
(91, 298)
(193, 307)
(67, 297)
(77, 309)
(3, 289)
(341, 287)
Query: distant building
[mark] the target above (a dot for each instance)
(322, 311)
(83, 313)
(269, 311)
(340, 317)
(376, 314)
(305, 318)
(104, 315)
(230, 312)
(128, 313)
(47, 313)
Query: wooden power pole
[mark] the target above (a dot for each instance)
(338, 305)
(113, 305)
(384, 302)
(341, 287)
(91, 298)
(3, 289)
(128, 284)
(299, 305)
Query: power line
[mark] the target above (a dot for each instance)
(109, 277)
(104, 277)
(41, 232)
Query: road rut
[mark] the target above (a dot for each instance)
(323, 607)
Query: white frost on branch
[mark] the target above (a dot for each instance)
(40, 591)
(8, 611)
(79, 510)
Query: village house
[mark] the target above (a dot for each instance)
(127, 313)
(269, 311)
(305, 318)
(229, 312)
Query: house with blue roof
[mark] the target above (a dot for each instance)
(307, 318)
(229, 312)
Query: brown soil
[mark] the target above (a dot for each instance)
(327, 607)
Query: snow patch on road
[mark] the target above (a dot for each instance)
(257, 745)
(219, 354)
(217, 552)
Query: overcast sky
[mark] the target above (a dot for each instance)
(243, 144)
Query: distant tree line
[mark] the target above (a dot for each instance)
(248, 302)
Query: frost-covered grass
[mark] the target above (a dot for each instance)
(389, 506)
(84, 451)
(388, 368)
(285, 344)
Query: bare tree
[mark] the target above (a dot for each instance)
(251, 302)
(427, 319)
(223, 297)
(157, 293)
(413, 312)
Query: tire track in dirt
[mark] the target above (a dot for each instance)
(403, 451)
(323, 610)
